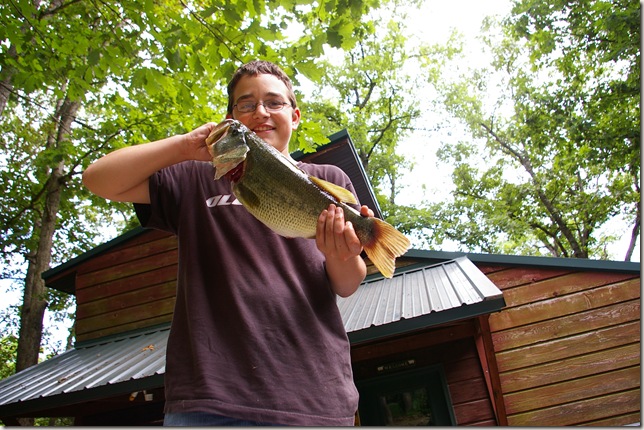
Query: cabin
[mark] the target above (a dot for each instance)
(452, 339)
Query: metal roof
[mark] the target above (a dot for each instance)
(415, 298)
(88, 372)
(418, 298)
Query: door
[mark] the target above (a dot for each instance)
(418, 397)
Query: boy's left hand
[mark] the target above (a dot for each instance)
(335, 237)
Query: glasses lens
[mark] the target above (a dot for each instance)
(269, 105)
(274, 105)
(246, 107)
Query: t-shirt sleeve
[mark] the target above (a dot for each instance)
(165, 197)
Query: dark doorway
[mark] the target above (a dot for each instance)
(418, 397)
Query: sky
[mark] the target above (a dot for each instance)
(432, 24)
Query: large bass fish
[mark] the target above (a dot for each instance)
(288, 200)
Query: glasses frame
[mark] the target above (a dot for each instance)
(256, 105)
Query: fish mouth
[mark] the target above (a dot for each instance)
(220, 131)
(227, 145)
(236, 172)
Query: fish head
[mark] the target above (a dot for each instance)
(227, 145)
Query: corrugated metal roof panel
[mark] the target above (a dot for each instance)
(455, 285)
(93, 365)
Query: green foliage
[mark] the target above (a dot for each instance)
(8, 346)
(368, 93)
(563, 140)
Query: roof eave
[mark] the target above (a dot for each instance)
(51, 405)
(424, 322)
(532, 261)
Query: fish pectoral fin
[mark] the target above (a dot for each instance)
(341, 194)
(245, 195)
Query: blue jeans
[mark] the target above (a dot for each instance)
(207, 419)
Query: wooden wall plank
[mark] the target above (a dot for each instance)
(619, 420)
(135, 325)
(515, 276)
(487, 423)
(125, 300)
(568, 325)
(568, 304)
(436, 336)
(575, 367)
(149, 243)
(561, 286)
(573, 390)
(126, 268)
(118, 286)
(611, 337)
(473, 413)
(580, 412)
(466, 368)
(124, 316)
(469, 390)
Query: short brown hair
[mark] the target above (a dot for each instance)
(259, 67)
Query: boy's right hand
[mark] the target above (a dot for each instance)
(195, 142)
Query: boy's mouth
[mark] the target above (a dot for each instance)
(261, 128)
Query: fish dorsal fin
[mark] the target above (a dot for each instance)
(341, 194)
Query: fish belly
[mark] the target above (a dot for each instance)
(288, 204)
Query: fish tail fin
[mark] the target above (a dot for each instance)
(385, 244)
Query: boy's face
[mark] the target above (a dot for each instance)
(274, 127)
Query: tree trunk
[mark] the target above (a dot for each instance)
(34, 298)
(635, 232)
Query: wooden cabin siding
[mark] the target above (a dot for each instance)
(453, 347)
(130, 287)
(567, 346)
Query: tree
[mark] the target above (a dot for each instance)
(562, 141)
(367, 91)
(79, 79)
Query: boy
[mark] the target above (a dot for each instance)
(256, 336)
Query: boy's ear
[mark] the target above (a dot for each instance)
(296, 118)
(229, 116)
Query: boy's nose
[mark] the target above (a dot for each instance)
(261, 113)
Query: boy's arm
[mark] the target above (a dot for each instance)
(123, 175)
(338, 242)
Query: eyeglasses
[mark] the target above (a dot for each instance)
(269, 105)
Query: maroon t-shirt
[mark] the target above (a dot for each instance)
(256, 332)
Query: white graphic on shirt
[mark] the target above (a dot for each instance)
(222, 200)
